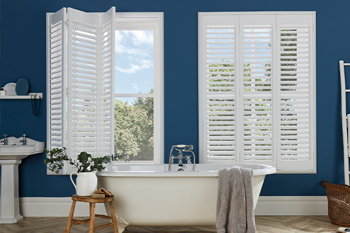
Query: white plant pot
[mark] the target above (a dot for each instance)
(86, 183)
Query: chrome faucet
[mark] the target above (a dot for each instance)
(180, 157)
(24, 141)
(5, 141)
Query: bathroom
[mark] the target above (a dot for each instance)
(23, 55)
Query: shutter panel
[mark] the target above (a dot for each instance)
(270, 118)
(83, 82)
(107, 82)
(296, 86)
(55, 79)
(256, 77)
(219, 85)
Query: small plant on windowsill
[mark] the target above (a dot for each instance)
(86, 166)
(84, 162)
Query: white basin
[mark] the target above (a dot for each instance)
(15, 150)
(11, 156)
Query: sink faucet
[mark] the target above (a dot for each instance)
(5, 141)
(24, 141)
(180, 157)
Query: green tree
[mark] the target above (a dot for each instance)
(146, 142)
(133, 128)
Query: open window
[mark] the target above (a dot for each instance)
(84, 80)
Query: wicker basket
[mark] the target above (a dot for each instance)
(338, 203)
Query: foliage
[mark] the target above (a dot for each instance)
(133, 128)
(84, 163)
(222, 75)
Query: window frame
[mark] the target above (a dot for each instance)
(202, 90)
(157, 19)
(149, 21)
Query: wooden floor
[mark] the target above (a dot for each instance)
(267, 224)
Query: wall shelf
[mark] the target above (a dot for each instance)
(17, 97)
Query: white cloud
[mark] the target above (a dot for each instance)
(121, 49)
(138, 38)
(134, 86)
(135, 54)
(131, 70)
(142, 37)
(143, 64)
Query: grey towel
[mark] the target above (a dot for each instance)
(235, 205)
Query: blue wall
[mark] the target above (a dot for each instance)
(23, 54)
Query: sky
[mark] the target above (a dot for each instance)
(133, 61)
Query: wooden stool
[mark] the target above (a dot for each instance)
(91, 221)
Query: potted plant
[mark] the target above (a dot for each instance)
(86, 165)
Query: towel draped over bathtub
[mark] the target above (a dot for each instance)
(235, 205)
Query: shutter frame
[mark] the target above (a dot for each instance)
(212, 92)
(305, 88)
(295, 22)
(107, 83)
(56, 74)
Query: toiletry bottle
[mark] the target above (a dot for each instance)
(2, 92)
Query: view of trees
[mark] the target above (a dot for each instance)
(133, 128)
(251, 83)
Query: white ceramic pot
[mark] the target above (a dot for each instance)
(86, 183)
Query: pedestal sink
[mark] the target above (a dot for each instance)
(11, 156)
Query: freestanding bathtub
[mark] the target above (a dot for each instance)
(150, 195)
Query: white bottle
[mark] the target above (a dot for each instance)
(2, 92)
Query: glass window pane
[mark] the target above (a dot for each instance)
(133, 61)
(134, 128)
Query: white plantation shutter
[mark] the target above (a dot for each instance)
(83, 82)
(86, 92)
(264, 110)
(256, 82)
(219, 80)
(107, 48)
(296, 78)
(56, 73)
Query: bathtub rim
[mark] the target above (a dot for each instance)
(261, 170)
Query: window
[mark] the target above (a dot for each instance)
(84, 85)
(137, 88)
(257, 89)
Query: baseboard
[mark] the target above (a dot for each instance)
(292, 205)
(55, 207)
(274, 205)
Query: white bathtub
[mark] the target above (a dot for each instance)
(149, 195)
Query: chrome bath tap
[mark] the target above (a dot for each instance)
(181, 149)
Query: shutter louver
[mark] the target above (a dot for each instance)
(220, 62)
(56, 72)
(257, 93)
(295, 82)
(83, 78)
(107, 80)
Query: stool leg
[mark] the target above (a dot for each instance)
(92, 218)
(115, 224)
(69, 222)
